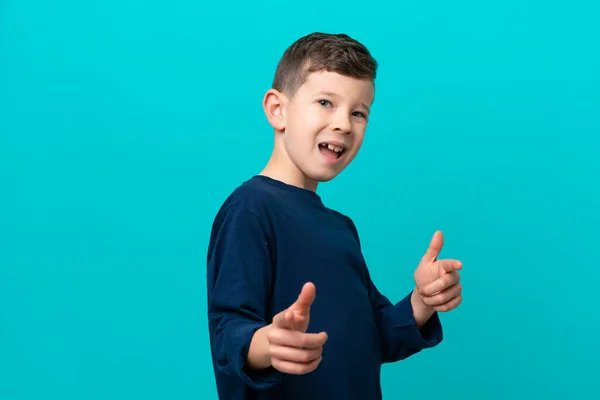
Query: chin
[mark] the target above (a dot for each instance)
(323, 176)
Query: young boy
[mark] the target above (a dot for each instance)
(274, 245)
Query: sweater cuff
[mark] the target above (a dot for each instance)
(263, 379)
(404, 326)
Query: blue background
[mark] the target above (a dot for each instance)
(124, 124)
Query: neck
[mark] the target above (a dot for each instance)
(282, 168)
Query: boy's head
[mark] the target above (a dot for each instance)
(319, 106)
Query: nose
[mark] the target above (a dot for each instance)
(342, 123)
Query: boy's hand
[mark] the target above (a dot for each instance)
(438, 281)
(291, 349)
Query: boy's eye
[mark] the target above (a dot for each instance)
(327, 103)
(360, 115)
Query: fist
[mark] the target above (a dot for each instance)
(438, 281)
(291, 349)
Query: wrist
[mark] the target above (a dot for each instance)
(258, 352)
(421, 311)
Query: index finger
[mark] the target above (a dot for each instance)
(291, 338)
(450, 265)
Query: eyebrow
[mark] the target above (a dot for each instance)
(331, 94)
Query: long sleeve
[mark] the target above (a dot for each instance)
(400, 335)
(238, 279)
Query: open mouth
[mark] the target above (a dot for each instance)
(331, 151)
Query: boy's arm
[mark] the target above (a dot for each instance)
(238, 279)
(406, 327)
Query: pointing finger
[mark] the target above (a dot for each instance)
(449, 265)
(297, 339)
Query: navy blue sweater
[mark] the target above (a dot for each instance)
(267, 240)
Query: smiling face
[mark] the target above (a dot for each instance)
(320, 129)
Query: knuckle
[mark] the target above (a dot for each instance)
(274, 351)
(435, 300)
(306, 356)
(304, 341)
(272, 334)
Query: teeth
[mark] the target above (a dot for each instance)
(335, 148)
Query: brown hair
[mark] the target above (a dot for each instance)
(322, 51)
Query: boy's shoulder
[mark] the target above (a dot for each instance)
(251, 195)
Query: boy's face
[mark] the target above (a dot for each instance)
(323, 126)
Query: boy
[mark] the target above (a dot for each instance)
(274, 244)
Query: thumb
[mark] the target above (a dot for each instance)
(305, 299)
(435, 246)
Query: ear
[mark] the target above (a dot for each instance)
(274, 104)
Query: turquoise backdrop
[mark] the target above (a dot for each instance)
(124, 124)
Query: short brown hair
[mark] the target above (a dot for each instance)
(323, 52)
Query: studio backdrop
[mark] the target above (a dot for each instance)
(124, 125)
